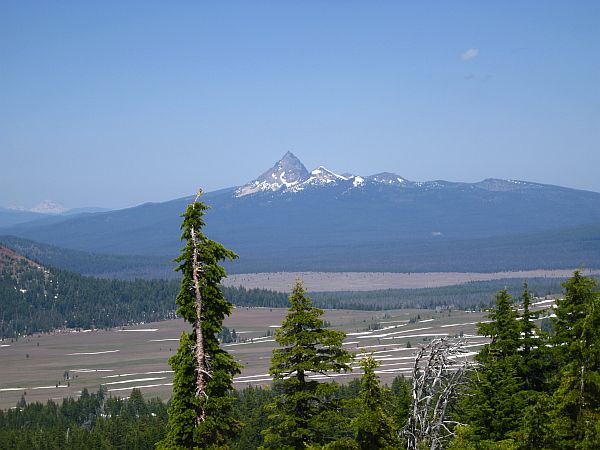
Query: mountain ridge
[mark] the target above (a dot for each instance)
(335, 219)
(275, 180)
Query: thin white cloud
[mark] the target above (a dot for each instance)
(469, 54)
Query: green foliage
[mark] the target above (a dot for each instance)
(494, 403)
(92, 421)
(38, 300)
(374, 428)
(185, 429)
(467, 439)
(250, 407)
(472, 295)
(305, 411)
(528, 394)
(401, 401)
(577, 345)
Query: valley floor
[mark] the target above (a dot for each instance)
(36, 366)
(372, 281)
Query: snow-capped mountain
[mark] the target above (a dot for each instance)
(289, 175)
(293, 219)
(285, 174)
(48, 207)
(388, 178)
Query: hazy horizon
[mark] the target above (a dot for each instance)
(116, 104)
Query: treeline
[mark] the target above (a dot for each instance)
(41, 300)
(99, 421)
(91, 421)
(35, 299)
(122, 267)
(526, 389)
(471, 295)
(532, 389)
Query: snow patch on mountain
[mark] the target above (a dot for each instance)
(48, 207)
(388, 178)
(289, 175)
(285, 174)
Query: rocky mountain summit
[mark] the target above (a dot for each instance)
(290, 175)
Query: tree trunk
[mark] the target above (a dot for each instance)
(201, 366)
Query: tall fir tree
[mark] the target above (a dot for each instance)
(536, 360)
(402, 401)
(374, 428)
(577, 344)
(305, 411)
(200, 413)
(493, 406)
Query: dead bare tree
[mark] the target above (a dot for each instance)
(438, 372)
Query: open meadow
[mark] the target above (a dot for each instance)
(61, 364)
(373, 281)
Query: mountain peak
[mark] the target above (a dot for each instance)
(388, 178)
(48, 207)
(287, 172)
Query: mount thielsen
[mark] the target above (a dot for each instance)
(290, 219)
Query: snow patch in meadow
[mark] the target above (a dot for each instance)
(543, 302)
(401, 349)
(140, 329)
(137, 380)
(137, 373)
(252, 381)
(252, 376)
(416, 336)
(91, 370)
(163, 340)
(359, 333)
(92, 353)
(458, 324)
(255, 341)
(148, 386)
(396, 332)
(60, 386)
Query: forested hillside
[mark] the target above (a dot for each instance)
(35, 298)
(124, 267)
(38, 299)
(526, 389)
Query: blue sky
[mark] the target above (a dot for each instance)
(117, 103)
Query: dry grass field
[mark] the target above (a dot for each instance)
(136, 356)
(373, 281)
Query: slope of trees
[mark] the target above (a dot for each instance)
(39, 299)
(91, 421)
(533, 390)
(528, 390)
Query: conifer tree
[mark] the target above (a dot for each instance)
(200, 411)
(577, 343)
(401, 393)
(535, 356)
(374, 428)
(305, 411)
(493, 407)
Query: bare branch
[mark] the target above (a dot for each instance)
(438, 372)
